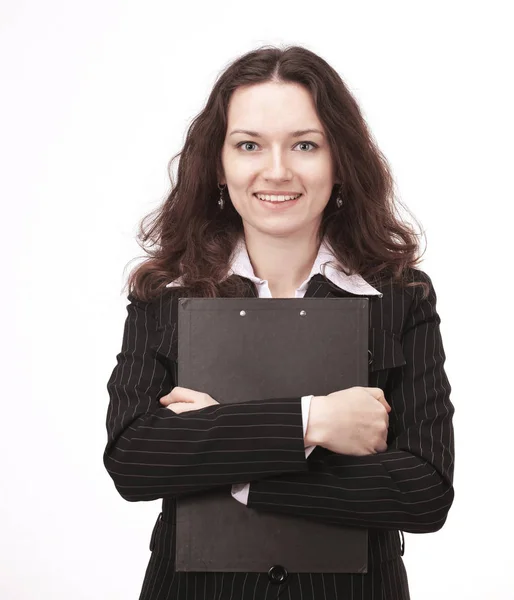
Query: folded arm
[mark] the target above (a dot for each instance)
(407, 487)
(153, 452)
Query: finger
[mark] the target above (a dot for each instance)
(180, 407)
(384, 404)
(381, 446)
(180, 394)
(169, 399)
(378, 394)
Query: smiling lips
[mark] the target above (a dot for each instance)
(277, 197)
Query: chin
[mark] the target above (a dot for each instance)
(279, 231)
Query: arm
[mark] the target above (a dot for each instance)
(240, 491)
(408, 487)
(153, 452)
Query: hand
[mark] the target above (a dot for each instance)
(182, 399)
(353, 421)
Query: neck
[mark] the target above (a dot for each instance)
(285, 262)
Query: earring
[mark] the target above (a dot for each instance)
(339, 200)
(221, 202)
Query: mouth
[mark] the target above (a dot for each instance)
(277, 203)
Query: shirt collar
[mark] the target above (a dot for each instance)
(324, 265)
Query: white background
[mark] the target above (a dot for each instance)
(95, 99)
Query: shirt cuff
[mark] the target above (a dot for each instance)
(240, 492)
(306, 406)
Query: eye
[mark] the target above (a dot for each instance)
(305, 142)
(244, 143)
(311, 143)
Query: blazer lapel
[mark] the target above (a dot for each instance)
(319, 287)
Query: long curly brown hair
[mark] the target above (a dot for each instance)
(191, 238)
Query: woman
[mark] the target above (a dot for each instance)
(305, 208)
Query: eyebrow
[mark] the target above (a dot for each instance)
(298, 133)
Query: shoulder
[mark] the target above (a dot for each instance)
(401, 299)
(162, 307)
(421, 285)
(419, 289)
(415, 284)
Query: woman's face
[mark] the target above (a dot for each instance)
(272, 158)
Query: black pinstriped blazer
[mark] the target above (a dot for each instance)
(154, 453)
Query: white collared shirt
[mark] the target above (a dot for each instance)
(325, 264)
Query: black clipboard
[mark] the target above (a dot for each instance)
(243, 349)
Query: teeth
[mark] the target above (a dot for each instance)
(271, 198)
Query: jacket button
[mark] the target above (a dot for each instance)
(277, 574)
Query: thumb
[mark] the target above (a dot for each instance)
(378, 394)
(182, 394)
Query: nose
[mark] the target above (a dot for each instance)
(277, 168)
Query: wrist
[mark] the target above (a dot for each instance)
(314, 436)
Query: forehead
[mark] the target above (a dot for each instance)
(264, 106)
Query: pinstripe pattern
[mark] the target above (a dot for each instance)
(154, 453)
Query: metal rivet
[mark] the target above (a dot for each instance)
(243, 313)
(302, 313)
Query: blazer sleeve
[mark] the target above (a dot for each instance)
(410, 485)
(153, 453)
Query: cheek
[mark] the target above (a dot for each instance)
(235, 165)
(242, 202)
